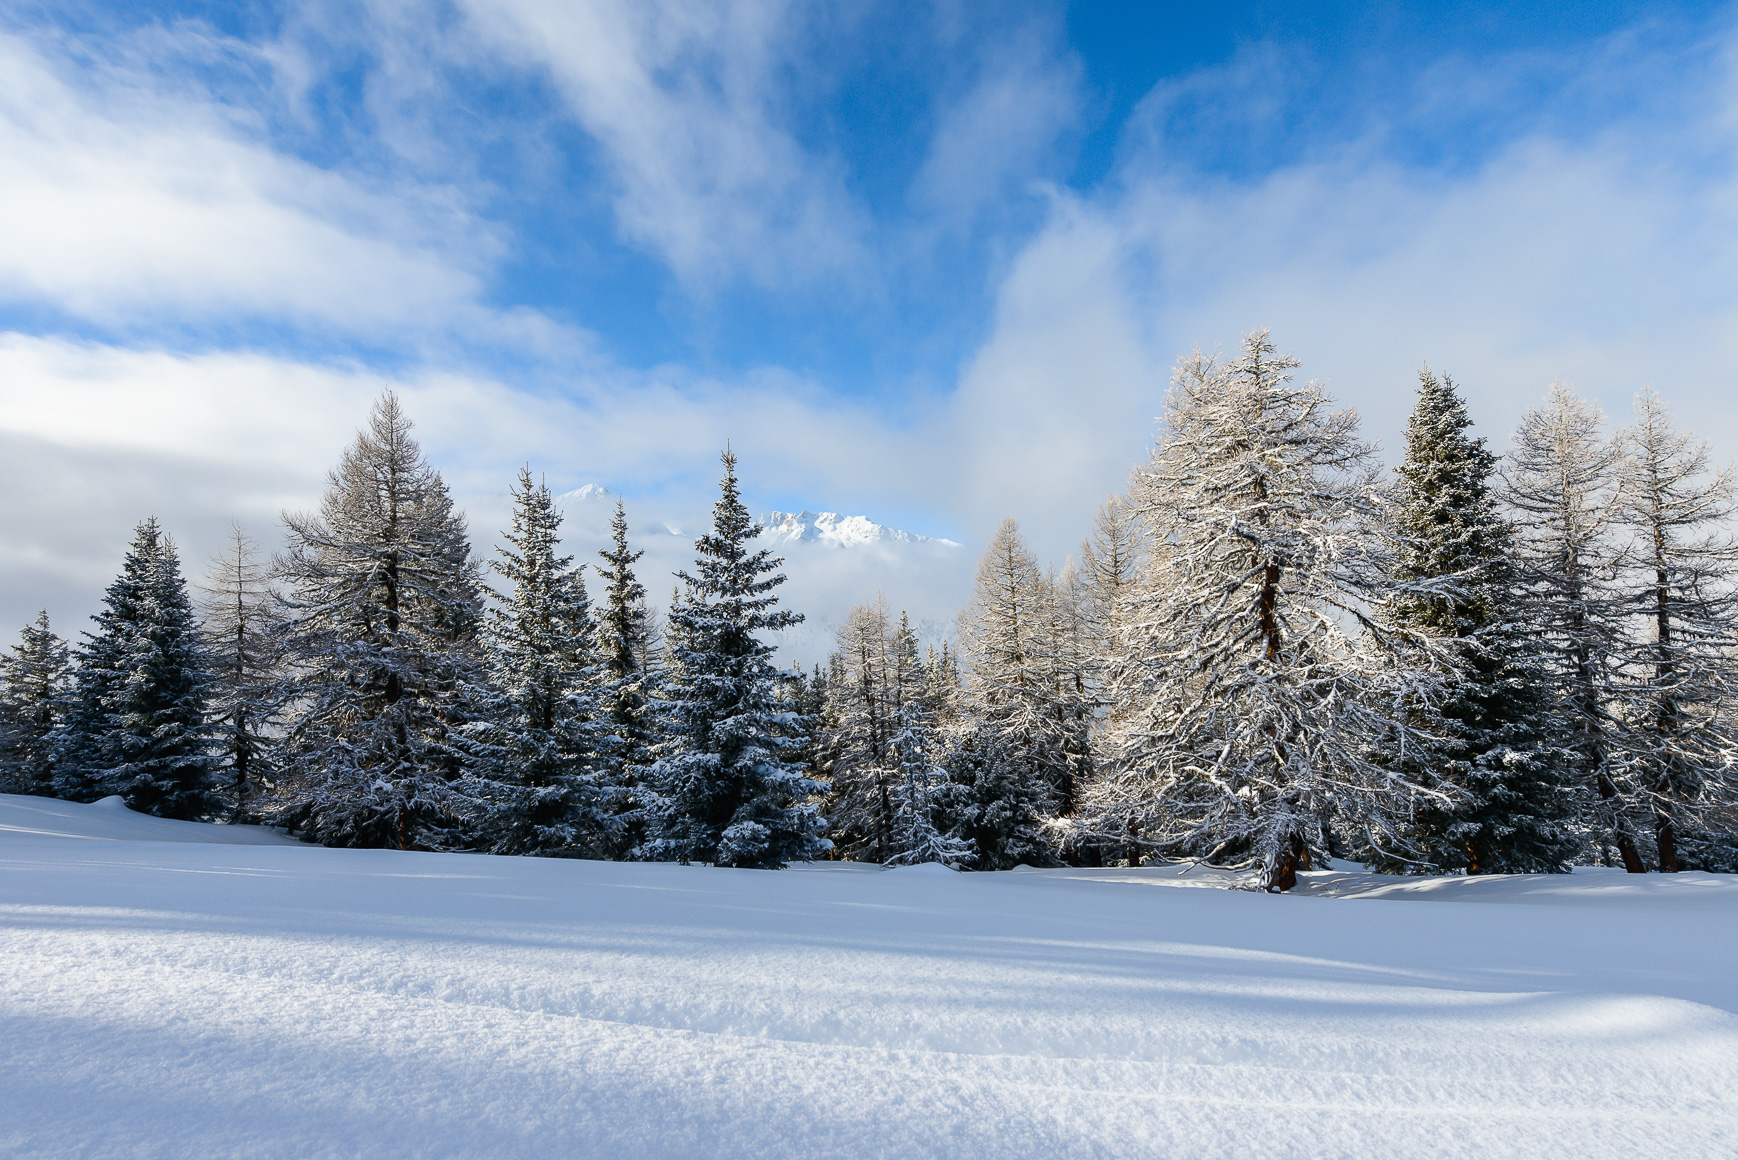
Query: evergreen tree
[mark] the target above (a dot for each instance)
(244, 641)
(34, 678)
(992, 805)
(729, 790)
(1258, 691)
(1561, 479)
(625, 648)
(1457, 583)
(136, 723)
(384, 605)
(533, 743)
(1674, 752)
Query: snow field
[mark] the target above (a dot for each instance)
(168, 997)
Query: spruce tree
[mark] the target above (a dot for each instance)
(1260, 695)
(1560, 486)
(244, 641)
(625, 648)
(383, 606)
(34, 677)
(533, 744)
(1673, 753)
(136, 723)
(729, 788)
(1456, 581)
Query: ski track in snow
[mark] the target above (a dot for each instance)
(175, 990)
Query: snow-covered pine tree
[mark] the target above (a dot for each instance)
(1675, 750)
(861, 808)
(625, 648)
(244, 643)
(136, 723)
(1456, 581)
(532, 745)
(383, 607)
(1261, 699)
(920, 790)
(34, 679)
(728, 789)
(1561, 478)
(1020, 674)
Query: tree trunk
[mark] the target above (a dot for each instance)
(1620, 833)
(1666, 834)
(1295, 857)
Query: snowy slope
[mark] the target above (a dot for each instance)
(164, 998)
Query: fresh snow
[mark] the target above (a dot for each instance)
(176, 990)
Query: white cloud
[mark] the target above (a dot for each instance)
(126, 202)
(684, 99)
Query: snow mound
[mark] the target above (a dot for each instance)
(109, 820)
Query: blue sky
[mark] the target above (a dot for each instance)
(929, 262)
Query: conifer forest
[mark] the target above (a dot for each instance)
(1270, 652)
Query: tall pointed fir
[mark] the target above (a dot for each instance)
(1561, 480)
(1457, 583)
(244, 641)
(1674, 752)
(624, 637)
(728, 788)
(136, 723)
(1259, 692)
(534, 782)
(34, 676)
(383, 607)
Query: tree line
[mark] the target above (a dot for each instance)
(1269, 653)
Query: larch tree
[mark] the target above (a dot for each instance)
(1263, 702)
(532, 744)
(1456, 582)
(1560, 486)
(243, 625)
(921, 792)
(1022, 671)
(730, 788)
(1675, 749)
(136, 721)
(383, 607)
(860, 714)
(35, 675)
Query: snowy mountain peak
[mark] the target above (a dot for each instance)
(836, 531)
(590, 491)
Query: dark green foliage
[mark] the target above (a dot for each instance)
(1457, 583)
(730, 788)
(33, 684)
(135, 723)
(993, 803)
(533, 746)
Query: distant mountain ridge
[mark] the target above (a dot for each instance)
(832, 530)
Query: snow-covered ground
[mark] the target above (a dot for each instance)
(174, 990)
